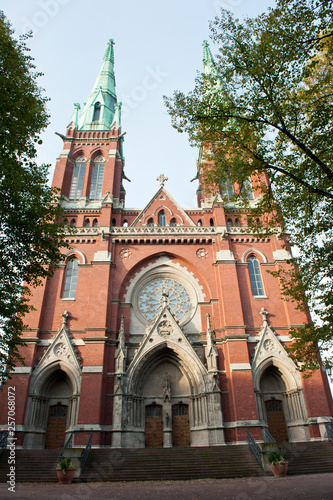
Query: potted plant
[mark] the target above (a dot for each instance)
(278, 465)
(65, 471)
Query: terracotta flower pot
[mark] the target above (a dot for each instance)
(279, 469)
(66, 478)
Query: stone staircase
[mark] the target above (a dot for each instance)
(31, 466)
(308, 458)
(143, 464)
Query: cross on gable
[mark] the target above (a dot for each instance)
(161, 179)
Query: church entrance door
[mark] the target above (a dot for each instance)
(154, 426)
(56, 427)
(180, 426)
(275, 420)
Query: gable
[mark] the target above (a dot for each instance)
(162, 201)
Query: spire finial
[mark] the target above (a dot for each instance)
(161, 179)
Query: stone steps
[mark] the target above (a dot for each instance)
(309, 458)
(171, 463)
(143, 464)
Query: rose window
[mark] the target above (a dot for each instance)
(161, 292)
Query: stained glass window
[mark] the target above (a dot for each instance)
(160, 292)
(255, 276)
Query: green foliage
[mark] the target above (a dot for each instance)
(275, 457)
(65, 464)
(30, 239)
(265, 113)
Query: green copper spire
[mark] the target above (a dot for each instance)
(208, 60)
(98, 112)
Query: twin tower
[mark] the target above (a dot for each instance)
(163, 326)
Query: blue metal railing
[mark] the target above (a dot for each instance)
(68, 444)
(3, 441)
(267, 436)
(86, 452)
(254, 447)
(329, 429)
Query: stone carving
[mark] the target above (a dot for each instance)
(121, 351)
(165, 328)
(161, 292)
(211, 350)
(60, 349)
(166, 389)
(269, 345)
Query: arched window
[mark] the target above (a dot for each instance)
(211, 222)
(173, 222)
(96, 181)
(97, 111)
(161, 218)
(73, 223)
(87, 223)
(229, 223)
(75, 192)
(237, 222)
(246, 190)
(113, 222)
(72, 270)
(199, 222)
(227, 190)
(255, 276)
(125, 223)
(150, 222)
(95, 223)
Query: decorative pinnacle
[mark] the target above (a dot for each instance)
(161, 179)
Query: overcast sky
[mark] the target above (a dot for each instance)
(158, 49)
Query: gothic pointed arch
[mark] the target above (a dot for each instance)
(55, 382)
(278, 387)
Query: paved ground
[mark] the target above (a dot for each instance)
(312, 487)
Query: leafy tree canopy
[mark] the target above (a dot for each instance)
(30, 240)
(265, 111)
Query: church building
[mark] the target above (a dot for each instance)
(163, 326)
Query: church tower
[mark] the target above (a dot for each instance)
(163, 326)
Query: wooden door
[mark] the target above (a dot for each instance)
(180, 426)
(56, 427)
(276, 421)
(154, 426)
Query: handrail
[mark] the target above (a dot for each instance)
(329, 429)
(254, 447)
(3, 441)
(68, 444)
(86, 452)
(267, 436)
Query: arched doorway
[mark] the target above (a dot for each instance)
(58, 390)
(273, 392)
(164, 386)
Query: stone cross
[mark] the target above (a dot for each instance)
(161, 179)
(263, 313)
(65, 315)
